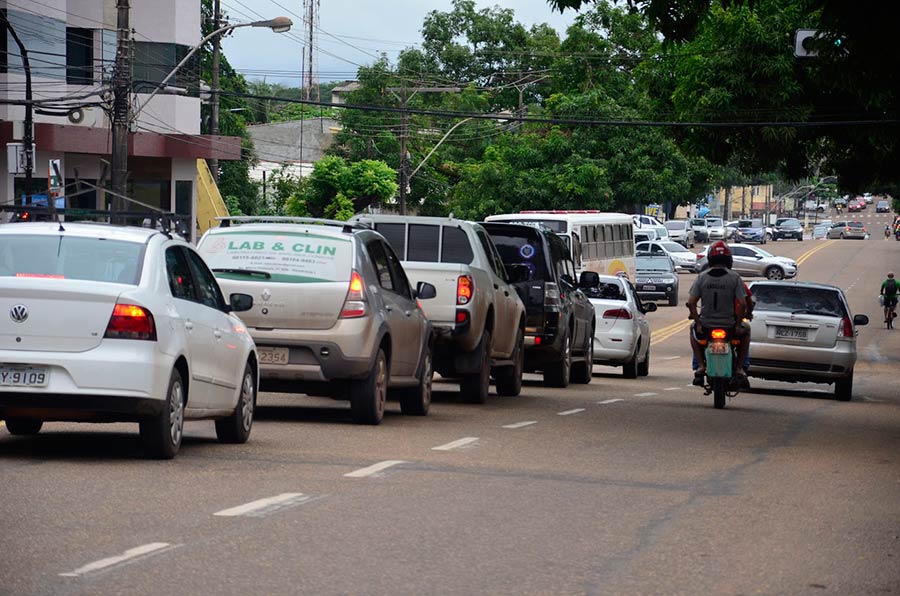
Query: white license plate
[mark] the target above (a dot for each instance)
(650, 288)
(273, 355)
(791, 333)
(23, 376)
(718, 347)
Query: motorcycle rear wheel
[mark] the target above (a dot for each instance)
(718, 387)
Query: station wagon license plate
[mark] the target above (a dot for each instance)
(23, 376)
(791, 333)
(273, 355)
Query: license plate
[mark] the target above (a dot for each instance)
(273, 355)
(650, 288)
(23, 376)
(718, 347)
(791, 332)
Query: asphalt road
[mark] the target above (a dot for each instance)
(617, 487)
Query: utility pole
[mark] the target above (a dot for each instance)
(28, 133)
(404, 98)
(121, 106)
(214, 91)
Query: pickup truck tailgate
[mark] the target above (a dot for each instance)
(440, 310)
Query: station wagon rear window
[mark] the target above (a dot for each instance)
(287, 257)
(71, 257)
(798, 300)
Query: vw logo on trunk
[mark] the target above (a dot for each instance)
(18, 313)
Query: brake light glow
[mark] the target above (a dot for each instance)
(355, 303)
(462, 316)
(41, 275)
(129, 321)
(846, 328)
(465, 289)
(718, 334)
(617, 313)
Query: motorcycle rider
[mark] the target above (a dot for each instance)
(722, 296)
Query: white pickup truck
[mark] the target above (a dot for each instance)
(477, 317)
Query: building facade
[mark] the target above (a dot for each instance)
(71, 46)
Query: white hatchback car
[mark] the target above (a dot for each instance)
(622, 334)
(117, 324)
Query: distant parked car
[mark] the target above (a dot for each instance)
(883, 207)
(701, 229)
(622, 335)
(848, 229)
(751, 230)
(655, 277)
(821, 229)
(788, 228)
(681, 256)
(855, 206)
(680, 231)
(804, 332)
(716, 228)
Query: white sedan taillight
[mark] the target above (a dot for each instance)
(129, 321)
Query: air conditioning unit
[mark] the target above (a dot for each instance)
(82, 117)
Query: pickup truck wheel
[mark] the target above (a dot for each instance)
(367, 396)
(509, 379)
(23, 426)
(475, 387)
(557, 374)
(415, 401)
(582, 372)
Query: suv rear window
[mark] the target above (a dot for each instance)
(428, 243)
(798, 300)
(516, 249)
(289, 257)
(71, 257)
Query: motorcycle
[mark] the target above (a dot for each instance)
(721, 363)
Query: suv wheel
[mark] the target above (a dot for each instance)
(475, 387)
(557, 374)
(582, 372)
(236, 428)
(509, 379)
(775, 273)
(161, 435)
(367, 396)
(23, 426)
(415, 401)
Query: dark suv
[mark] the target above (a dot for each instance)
(788, 228)
(559, 326)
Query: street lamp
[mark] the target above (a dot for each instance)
(277, 25)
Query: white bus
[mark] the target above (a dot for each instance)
(601, 242)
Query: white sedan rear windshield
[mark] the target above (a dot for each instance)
(288, 257)
(71, 257)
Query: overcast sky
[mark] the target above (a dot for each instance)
(373, 26)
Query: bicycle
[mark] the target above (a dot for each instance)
(891, 308)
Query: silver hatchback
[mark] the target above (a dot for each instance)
(803, 332)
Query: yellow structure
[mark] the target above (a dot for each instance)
(209, 201)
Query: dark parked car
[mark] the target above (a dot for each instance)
(750, 230)
(560, 322)
(655, 278)
(788, 228)
(882, 207)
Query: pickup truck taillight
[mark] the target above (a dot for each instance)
(465, 289)
(551, 294)
(355, 303)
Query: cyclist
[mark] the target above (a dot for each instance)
(889, 289)
(887, 231)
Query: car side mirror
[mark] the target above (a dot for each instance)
(861, 320)
(567, 279)
(588, 280)
(650, 307)
(240, 302)
(425, 290)
(517, 273)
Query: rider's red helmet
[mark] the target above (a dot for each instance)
(719, 255)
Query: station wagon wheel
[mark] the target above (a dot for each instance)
(415, 401)
(368, 395)
(236, 428)
(161, 434)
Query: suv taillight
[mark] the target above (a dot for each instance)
(465, 289)
(355, 303)
(129, 321)
(846, 328)
(551, 294)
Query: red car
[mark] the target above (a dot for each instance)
(854, 206)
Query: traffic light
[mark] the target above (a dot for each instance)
(809, 42)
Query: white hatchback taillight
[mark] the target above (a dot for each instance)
(617, 313)
(355, 303)
(129, 321)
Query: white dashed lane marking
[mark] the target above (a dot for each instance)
(455, 444)
(265, 506)
(374, 468)
(646, 394)
(672, 389)
(520, 424)
(611, 401)
(570, 412)
(128, 556)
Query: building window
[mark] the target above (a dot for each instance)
(79, 56)
(154, 61)
(184, 197)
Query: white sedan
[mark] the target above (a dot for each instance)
(681, 256)
(111, 324)
(622, 334)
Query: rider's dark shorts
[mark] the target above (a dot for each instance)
(890, 301)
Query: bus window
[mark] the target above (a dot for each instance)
(576, 253)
